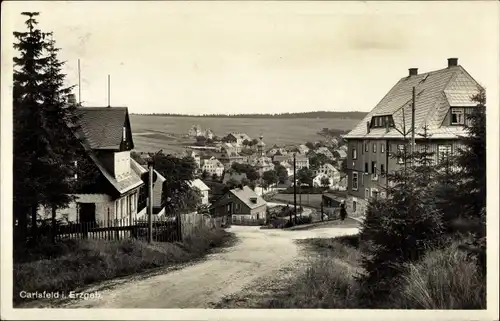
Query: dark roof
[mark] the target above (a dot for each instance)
(102, 127)
(435, 92)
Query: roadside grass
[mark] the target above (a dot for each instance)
(80, 263)
(328, 281)
(444, 279)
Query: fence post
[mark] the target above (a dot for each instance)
(179, 227)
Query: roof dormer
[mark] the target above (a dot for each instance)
(382, 121)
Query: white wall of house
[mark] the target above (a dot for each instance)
(106, 209)
(103, 203)
(122, 165)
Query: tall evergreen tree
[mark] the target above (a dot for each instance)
(471, 160)
(47, 154)
(31, 130)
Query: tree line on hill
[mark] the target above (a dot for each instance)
(312, 114)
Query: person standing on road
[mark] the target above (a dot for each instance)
(343, 212)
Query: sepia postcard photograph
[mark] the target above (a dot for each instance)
(250, 160)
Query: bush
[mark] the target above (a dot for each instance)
(398, 230)
(444, 279)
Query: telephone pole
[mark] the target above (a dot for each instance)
(413, 122)
(294, 188)
(150, 204)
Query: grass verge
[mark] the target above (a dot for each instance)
(84, 262)
(444, 279)
(328, 281)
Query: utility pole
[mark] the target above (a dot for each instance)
(79, 85)
(413, 122)
(294, 188)
(109, 91)
(150, 204)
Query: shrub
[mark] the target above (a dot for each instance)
(401, 228)
(444, 279)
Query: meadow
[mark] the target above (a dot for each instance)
(152, 133)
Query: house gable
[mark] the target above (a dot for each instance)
(435, 93)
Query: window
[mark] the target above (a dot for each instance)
(366, 168)
(374, 147)
(362, 179)
(374, 193)
(124, 133)
(382, 148)
(133, 201)
(457, 116)
(366, 147)
(355, 181)
(367, 193)
(354, 206)
(124, 207)
(401, 150)
(374, 171)
(381, 121)
(444, 151)
(382, 169)
(354, 153)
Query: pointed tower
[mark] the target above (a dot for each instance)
(260, 147)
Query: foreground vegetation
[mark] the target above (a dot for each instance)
(70, 265)
(421, 247)
(444, 279)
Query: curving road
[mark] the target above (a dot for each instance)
(257, 254)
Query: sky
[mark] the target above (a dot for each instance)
(261, 57)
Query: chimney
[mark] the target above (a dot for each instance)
(253, 199)
(413, 72)
(452, 62)
(367, 127)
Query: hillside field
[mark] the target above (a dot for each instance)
(152, 133)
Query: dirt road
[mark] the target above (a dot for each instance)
(257, 254)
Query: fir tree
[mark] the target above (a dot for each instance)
(46, 150)
(402, 227)
(32, 152)
(471, 160)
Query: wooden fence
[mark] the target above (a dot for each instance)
(165, 229)
(247, 221)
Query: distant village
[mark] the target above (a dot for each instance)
(215, 157)
(246, 168)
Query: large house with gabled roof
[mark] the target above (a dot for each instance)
(106, 138)
(442, 101)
